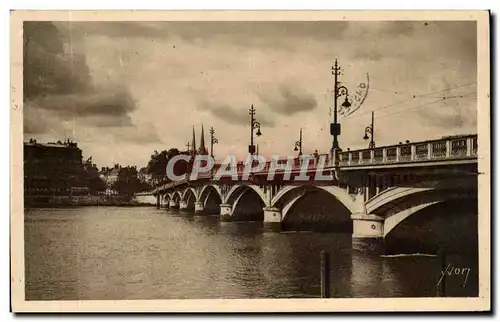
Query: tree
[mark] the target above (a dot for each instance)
(91, 177)
(128, 182)
(157, 165)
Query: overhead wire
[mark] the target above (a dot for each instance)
(425, 95)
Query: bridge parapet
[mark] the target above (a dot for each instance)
(448, 148)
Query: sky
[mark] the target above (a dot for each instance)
(122, 90)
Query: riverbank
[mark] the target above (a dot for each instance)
(84, 201)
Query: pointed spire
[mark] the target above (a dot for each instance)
(202, 150)
(193, 143)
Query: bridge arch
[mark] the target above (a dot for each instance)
(189, 196)
(186, 193)
(207, 190)
(168, 196)
(165, 198)
(288, 195)
(385, 200)
(176, 196)
(210, 197)
(318, 208)
(247, 202)
(415, 204)
(236, 192)
(399, 216)
(436, 222)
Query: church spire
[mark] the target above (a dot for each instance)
(202, 150)
(193, 143)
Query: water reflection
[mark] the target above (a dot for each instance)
(143, 253)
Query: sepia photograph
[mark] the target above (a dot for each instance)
(250, 161)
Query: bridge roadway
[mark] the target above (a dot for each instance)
(378, 188)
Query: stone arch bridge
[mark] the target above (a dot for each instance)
(377, 189)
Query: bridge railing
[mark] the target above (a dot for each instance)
(313, 163)
(458, 147)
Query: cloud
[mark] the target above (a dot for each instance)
(289, 100)
(104, 106)
(231, 115)
(172, 75)
(48, 68)
(455, 113)
(58, 86)
(115, 29)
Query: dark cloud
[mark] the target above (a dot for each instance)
(276, 34)
(58, 85)
(34, 123)
(232, 115)
(190, 30)
(111, 103)
(115, 29)
(289, 100)
(47, 67)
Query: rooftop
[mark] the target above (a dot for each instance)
(58, 144)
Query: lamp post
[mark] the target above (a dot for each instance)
(298, 144)
(338, 91)
(253, 125)
(213, 140)
(370, 130)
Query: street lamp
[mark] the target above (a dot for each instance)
(253, 125)
(338, 91)
(370, 130)
(213, 140)
(298, 144)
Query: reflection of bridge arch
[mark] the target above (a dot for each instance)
(288, 196)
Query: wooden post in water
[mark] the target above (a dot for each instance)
(158, 202)
(325, 274)
(441, 279)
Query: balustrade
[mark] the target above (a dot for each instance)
(438, 149)
(391, 154)
(378, 155)
(459, 147)
(455, 147)
(446, 148)
(421, 151)
(405, 153)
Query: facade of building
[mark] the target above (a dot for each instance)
(53, 169)
(110, 177)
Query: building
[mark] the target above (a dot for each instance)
(110, 177)
(53, 169)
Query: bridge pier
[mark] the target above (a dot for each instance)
(368, 233)
(172, 204)
(198, 206)
(272, 218)
(183, 205)
(226, 212)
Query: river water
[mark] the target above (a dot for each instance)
(114, 253)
